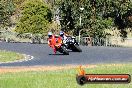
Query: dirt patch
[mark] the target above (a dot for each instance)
(41, 68)
(49, 68)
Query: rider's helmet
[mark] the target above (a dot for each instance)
(50, 34)
(61, 33)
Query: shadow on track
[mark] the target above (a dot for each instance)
(57, 54)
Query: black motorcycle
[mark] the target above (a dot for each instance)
(72, 44)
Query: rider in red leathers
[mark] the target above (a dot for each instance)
(52, 41)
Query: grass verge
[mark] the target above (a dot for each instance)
(62, 78)
(8, 56)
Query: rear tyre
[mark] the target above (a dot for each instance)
(76, 48)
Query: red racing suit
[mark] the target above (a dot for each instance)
(53, 42)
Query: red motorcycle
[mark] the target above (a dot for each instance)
(56, 43)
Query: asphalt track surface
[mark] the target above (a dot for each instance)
(43, 55)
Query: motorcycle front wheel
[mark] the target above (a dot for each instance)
(64, 50)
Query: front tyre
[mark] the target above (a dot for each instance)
(64, 50)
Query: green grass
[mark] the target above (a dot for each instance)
(61, 78)
(7, 56)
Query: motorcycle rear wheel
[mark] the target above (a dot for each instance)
(76, 48)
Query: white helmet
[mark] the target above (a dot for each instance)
(50, 34)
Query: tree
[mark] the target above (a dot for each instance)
(66, 14)
(6, 11)
(35, 17)
(97, 15)
(92, 19)
(120, 11)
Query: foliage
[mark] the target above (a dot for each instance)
(6, 11)
(92, 19)
(97, 15)
(35, 17)
(120, 11)
(18, 4)
(66, 13)
(54, 27)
